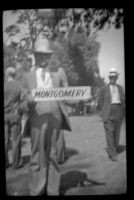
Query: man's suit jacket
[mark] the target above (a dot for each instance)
(12, 101)
(59, 79)
(12, 95)
(104, 100)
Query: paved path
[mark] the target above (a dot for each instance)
(86, 160)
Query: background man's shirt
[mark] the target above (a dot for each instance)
(115, 97)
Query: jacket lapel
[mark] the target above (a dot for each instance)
(120, 92)
(32, 80)
(109, 93)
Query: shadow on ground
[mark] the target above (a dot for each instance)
(17, 181)
(70, 152)
(121, 148)
(18, 185)
(74, 179)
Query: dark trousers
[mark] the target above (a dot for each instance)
(61, 147)
(112, 129)
(12, 131)
(44, 173)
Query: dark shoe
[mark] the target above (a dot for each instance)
(120, 149)
(113, 158)
(61, 162)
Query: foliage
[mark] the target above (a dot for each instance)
(84, 54)
(74, 29)
(62, 59)
(80, 20)
(9, 56)
(79, 59)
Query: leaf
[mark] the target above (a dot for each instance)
(13, 27)
(22, 19)
(12, 34)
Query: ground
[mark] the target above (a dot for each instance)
(86, 159)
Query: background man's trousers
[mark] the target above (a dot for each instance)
(13, 131)
(112, 129)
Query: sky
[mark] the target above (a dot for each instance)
(111, 51)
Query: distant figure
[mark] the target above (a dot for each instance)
(12, 117)
(111, 100)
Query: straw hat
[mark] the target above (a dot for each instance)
(113, 72)
(42, 45)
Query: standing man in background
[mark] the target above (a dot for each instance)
(12, 117)
(111, 101)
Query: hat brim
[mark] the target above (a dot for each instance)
(111, 75)
(44, 52)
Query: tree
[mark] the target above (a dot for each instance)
(62, 58)
(87, 21)
(79, 59)
(74, 29)
(9, 55)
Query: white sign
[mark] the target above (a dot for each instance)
(69, 93)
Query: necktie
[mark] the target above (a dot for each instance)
(43, 75)
(47, 79)
(113, 89)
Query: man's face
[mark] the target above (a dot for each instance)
(113, 79)
(42, 59)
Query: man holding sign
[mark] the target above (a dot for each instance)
(46, 119)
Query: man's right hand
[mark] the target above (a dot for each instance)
(31, 102)
(30, 98)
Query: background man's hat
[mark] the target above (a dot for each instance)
(10, 70)
(42, 45)
(113, 72)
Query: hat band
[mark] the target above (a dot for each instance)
(41, 51)
(113, 74)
